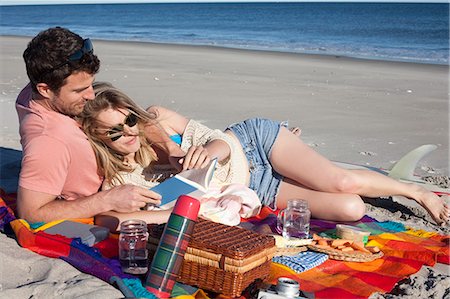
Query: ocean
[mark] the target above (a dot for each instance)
(383, 31)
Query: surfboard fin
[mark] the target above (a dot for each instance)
(404, 168)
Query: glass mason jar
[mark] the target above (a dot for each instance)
(133, 253)
(294, 220)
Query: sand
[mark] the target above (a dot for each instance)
(357, 111)
(25, 274)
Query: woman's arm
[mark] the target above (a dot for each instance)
(200, 156)
(168, 123)
(171, 121)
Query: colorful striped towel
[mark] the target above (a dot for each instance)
(405, 252)
(100, 261)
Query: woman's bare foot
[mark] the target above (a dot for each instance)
(436, 206)
(296, 131)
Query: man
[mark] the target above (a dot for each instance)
(59, 176)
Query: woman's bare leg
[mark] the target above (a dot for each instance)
(323, 205)
(295, 160)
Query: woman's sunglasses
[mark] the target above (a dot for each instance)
(117, 131)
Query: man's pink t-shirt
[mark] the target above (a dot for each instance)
(57, 156)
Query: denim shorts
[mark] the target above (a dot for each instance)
(257, 137)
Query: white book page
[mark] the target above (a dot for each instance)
(199, 178)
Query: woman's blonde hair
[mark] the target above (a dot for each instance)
(110, 162)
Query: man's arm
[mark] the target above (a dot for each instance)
(35, 206)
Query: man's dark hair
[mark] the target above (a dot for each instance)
(47, 58)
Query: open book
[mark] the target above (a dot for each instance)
(192, 182)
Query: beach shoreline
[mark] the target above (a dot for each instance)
(181, 45)
(360, 111)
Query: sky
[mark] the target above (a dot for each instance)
(36, 2)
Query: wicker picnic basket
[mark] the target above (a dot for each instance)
(225, 259)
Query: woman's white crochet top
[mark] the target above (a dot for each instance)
(231, 170)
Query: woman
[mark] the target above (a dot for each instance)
(115, 126)
(115, 161)
(260, 153)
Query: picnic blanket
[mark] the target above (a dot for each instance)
(405, 252)
(100, 260)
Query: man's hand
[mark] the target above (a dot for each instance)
(130, 198)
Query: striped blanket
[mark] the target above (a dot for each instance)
(100, 260)
(405, 252)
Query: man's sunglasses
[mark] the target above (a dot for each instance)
(87, 48)
(117, 131)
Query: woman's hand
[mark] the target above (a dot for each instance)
(197, 157)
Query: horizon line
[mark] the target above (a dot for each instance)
(63, 2)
